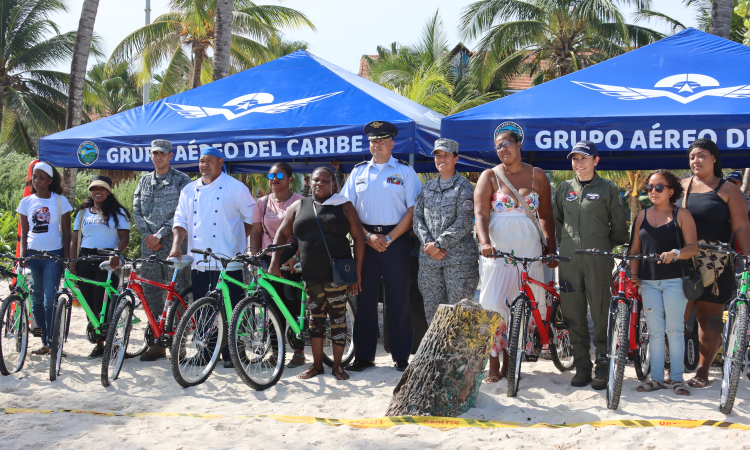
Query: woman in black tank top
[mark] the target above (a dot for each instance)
(720, 214)
(338, 218)
(669, 232)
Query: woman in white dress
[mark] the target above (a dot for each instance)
(502, 225)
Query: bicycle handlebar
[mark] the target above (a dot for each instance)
(622, 256)
(523, 259)
(715, 248)
(241, 257)
(724, 249)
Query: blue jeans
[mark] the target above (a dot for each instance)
(664, 306)
(46, 275)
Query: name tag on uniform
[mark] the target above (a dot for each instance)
(572, 196)
(360, 181)
(592, 196)
(395, 179)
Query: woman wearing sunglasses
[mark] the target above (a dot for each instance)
(668, 231)
(267, 217)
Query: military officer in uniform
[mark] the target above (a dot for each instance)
(588, 214)
(384, 191)
(154, 203)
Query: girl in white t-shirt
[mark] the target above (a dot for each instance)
(45, 226)
(104, 224)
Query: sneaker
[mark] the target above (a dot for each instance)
(582, 377)
(601, 377)
(97, 352)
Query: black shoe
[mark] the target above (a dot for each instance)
(401, 365)
(582, 377)
(228, 364)
(97, 352)
(601, 377)
(359, 365)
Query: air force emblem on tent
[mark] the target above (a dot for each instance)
(242, 105)
(676, 87)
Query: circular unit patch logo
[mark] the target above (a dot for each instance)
(88, 153)
(512, 126)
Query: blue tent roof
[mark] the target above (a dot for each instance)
(297, 108)
(643, 108)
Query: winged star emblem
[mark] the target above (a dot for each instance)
(246, 104)
(682, 83)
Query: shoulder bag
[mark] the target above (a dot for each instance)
(344, 271)
(520, 199)
(692, 282)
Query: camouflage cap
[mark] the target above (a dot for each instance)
(161, 145)
(446, 145)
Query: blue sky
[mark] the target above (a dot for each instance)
(346, 29)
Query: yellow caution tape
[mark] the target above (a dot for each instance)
(444, 423)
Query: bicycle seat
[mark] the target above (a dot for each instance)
(177, 264)
(105, 266)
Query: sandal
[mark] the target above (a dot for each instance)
(297, 360)
(493, 378)
(698, 382)
(311, 372)
(650, 386)
(42, 351)
(680, 388)
(339, 373)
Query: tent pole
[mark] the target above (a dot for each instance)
(411, 159)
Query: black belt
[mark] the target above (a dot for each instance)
(379, 228)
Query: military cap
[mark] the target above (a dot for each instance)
(735, 176)
(446, 145)
(585, 148)
(379, 129)
(161, 145)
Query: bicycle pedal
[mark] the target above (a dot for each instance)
(532, 358)
(560, 325)
(37, 332)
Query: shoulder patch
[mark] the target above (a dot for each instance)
(406, 163)
(359, 164)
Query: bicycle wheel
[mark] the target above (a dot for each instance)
(177, 311)
(117, 342)
(348, 354)
(642, 357)
(138, 326)
(734, 357)
(14, 334)
(256, 343)
(517, 345)
(618, 355)
(561, 350)
(197, 343)
(59, 331)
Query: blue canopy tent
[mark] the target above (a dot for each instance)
(298, 108)
(642, 109)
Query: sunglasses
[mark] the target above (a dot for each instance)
(504, 144)
(278, 176)
(656, 187)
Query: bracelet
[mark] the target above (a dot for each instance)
(296, 258)
(367, 236)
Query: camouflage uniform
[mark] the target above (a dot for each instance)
(154, 205)
(445, 215)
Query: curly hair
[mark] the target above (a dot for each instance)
(55, 186)
(672, 182)
(708, 144)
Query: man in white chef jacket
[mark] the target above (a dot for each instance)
(214, 211)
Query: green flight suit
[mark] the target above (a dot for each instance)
(590, 216)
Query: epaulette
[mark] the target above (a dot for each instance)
(406, 163)
(359, 164)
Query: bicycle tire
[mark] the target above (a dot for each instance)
(176, 311)
(734, 358)
(138, 325)
(348, 354)
(618, 355)
(642, 357)
(117, 342)
(516, 345)
(560, 341)
(258, 352)
(59, 331)
(14, 334)
(205, 318)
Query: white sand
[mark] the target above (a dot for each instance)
(545, 396)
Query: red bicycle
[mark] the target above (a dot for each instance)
(132, 306)
(627, 337)
(553, 332)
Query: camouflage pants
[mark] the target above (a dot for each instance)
(327, 299)
(160, 274)
(446, 285)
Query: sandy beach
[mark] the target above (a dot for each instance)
(545, 396)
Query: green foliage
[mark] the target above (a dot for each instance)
(124, 194)
(13, 180)
(8, 232)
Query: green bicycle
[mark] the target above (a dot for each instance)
(96, 331)
(735, 335)
(256, 341)
(15, 316)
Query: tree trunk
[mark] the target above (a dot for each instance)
(721, 18)
(444, 377)
(77, 79)
(635, 206)
(222, 37)
(746, 182)
(197, 65)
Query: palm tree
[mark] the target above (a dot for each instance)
(222, 41)
(548, 38)
(111, 91)
(181, 39)
(702, 10)
(721, 18)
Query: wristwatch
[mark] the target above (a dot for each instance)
(437, 244)
(387, 239)
(367, 236)
(677, 252)
(158, 235)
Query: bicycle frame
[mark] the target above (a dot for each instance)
(628, 294)
(526, 281)
(134, 284)
(69, 284)
(264, 280)
(731, 315)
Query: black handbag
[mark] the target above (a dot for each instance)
(344, 271)
(692, 282)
